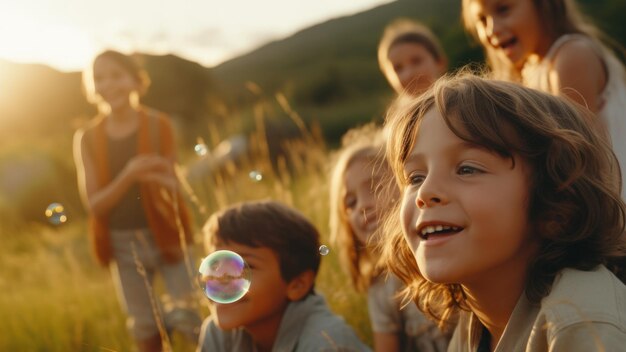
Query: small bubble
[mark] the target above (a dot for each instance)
(201, 149)
(255, 176)
(55, 213)
(324, 250)
(224, 276)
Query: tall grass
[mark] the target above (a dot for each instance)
(55, 298)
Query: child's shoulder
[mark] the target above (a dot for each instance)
(586, 297)
(87, 130)
(316, 327)
(573, 51)
(214, 339)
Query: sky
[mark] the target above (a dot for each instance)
(66, 34)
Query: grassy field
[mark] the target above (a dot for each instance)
(55, 298)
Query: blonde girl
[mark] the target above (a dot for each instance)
(410, 56)
(360, 192)
(548, 45)
(510, 216)
(124, 160)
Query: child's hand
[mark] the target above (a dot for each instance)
(166, 180)
(150, 167)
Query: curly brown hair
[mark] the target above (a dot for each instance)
(575, 207)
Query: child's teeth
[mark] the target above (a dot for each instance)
(438, 228)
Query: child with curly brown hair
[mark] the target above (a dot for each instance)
(510, 216)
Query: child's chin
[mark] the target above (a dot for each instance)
(227, 324)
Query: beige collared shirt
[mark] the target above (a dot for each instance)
(585, 311)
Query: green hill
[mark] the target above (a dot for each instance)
(329, 71)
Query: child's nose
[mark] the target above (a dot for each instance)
(403, 75)
(431, 193)
(428, 202)
(366, 203)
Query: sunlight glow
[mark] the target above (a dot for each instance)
(67, 34)
(62, 46)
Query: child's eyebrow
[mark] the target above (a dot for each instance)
(455, 147)
(247, 256)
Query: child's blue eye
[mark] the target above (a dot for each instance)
(415, 179)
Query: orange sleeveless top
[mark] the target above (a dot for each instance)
(166, 213)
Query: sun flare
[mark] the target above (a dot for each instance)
(26, 39)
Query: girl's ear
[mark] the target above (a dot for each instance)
(300, 285)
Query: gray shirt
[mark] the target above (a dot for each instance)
(387, 315)
(585, 311)
(307, 326)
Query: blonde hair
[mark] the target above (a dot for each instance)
(406, 31)
(574, 208)
(364, 143)
(558, 16)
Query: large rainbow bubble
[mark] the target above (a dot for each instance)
(224, 276)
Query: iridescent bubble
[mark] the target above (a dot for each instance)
(224, 276)
(324, 250)
(255, 176)
(56, 214)
(201, 149)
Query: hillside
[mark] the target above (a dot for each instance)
(336, 60)
(330, 73)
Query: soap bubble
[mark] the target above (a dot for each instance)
(55, 213)
(201, 149)
(324, 250)
(255, 176)
(224, 276)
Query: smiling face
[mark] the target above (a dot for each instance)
(113, 83)
(512, 28)
(415, 67)
(365, 198)
(266, 300)
(464, 208)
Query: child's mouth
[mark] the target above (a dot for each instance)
(438, 230)
(506, 45)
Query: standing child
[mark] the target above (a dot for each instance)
(511, 215)
(410, 56)
(361, 190)
(281, 311)
(548, 45)
(124, 159)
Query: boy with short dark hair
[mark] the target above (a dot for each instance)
(281, 311)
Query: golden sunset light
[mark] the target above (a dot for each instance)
(290, 175)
